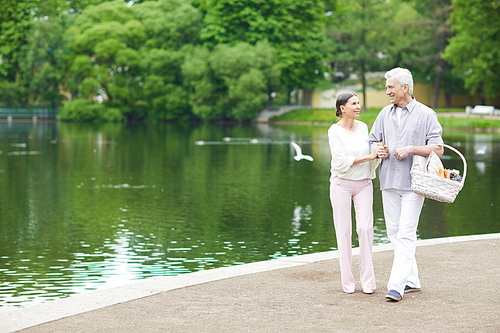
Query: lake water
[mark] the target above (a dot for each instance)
(86, 207)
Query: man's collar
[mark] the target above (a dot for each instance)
(410, 106)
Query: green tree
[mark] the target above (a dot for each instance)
(169, 24)
(293, 28)
(163, 84)
(60, 10)
(362, 34)
(231, 82)
(426, 33)
(104, 59)
(249, 74)
(13, 94)
(43, 63)
(171, 27)
(203, 88)
(132, 56)
(14, 26)
(474, 51)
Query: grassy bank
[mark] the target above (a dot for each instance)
(327, 116)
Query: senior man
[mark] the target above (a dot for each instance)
(407, 128)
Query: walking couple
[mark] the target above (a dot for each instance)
(402, 129)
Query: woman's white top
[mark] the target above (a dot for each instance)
(345, 146)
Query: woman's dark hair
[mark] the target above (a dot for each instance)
(342, 99)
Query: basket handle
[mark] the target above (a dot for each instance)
(463, 159)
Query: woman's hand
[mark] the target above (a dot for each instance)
(373, 155)
(382, 151)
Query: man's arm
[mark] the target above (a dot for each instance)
(376, 133)
(376, 138)
(425, 151)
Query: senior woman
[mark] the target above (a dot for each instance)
(352, 170)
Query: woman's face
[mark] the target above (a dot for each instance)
(351, 108)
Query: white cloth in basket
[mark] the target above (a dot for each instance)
(419, 163)
(433, 164)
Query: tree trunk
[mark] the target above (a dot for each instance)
(481, 97)
(363, 63)
(363, 81)
(447, 96)
(439, 71)
(437, 83)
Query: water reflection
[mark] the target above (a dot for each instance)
(483, 143)
(300, 215)
(103, 205)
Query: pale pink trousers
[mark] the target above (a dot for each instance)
(342, 193)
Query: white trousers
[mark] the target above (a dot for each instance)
(402, 212)
(342, 193)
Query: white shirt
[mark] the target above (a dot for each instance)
(345, 146)
(398, 113)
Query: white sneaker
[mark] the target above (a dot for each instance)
(368, 291)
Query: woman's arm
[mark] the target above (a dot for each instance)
(341, 161)
(367, 158)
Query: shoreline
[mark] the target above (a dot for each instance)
(441, 114)
(458, 115)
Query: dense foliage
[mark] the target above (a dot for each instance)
(474, 50)
(112, 60)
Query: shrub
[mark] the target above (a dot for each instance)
(81, 111)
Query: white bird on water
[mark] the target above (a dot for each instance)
(299, 155)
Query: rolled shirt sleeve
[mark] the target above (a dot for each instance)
(435, 131)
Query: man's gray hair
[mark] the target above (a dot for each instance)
(402, 77)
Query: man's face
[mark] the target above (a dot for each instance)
(395, 92)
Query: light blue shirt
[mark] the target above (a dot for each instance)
(418, 126)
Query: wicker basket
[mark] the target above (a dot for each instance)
(435, 187)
